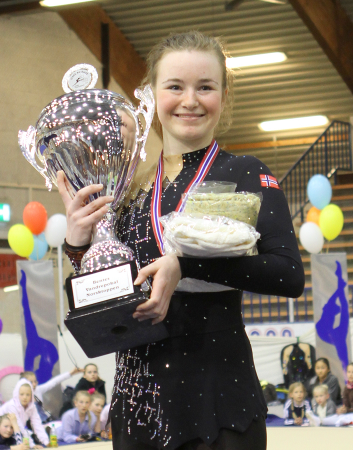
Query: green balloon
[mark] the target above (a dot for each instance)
(21, 240)
(331, 221)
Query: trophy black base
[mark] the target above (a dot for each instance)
(108, 326)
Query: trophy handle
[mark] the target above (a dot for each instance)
(26, 140)
(146, 108)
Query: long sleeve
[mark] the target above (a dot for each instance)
(333, 387)
(45, 387)
(37, 427)
(68, 428)
(71, 428)
(331, 408)
(277, 269)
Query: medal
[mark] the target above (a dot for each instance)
(201, 172)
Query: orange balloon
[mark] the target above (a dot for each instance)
(313, 215)
(35, 217)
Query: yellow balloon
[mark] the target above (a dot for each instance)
(21, 240)
(331, 221)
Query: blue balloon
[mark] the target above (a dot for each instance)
(319, 191)
(40, 247)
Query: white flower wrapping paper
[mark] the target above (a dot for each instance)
(207, 236)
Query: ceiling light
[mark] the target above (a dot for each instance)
(52, 3)
(299, 122)
(11, 288)
(255, 60)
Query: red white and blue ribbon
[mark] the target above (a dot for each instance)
(202, 171)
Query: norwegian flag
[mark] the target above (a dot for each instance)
(268, 181)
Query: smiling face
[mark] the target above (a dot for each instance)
(298, 394)
(82, 403)
(321, 370)
(189, 97)
(25, 395)
(6, 429)
(91, 373)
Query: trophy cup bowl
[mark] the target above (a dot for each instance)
(96, 136)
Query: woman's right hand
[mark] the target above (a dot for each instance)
(81, 215)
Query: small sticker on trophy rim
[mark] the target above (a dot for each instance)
(81, 76)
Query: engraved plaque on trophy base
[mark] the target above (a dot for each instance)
(101, 307)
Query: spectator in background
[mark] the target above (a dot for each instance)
(324, 376)
(40, 389)
(10, 434)
(90, 381)
(22, 405)
(79, 424)
(323, 406)
(296, 408)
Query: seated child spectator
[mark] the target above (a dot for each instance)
(10, 435)
(324, 376)
(323, 406)
(90, 381)
(344, 413)
(79, 424)
(97, 405)
(296, 407)
(40, 389)
(22, 405)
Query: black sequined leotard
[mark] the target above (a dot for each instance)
(203, 379)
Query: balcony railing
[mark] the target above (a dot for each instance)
(258, 308)
(331, 152)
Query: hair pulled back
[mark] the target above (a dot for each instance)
(189, 41)
(325, 361)
(192, 40)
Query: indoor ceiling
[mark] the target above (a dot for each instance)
(307, 83)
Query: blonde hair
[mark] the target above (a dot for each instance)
(96, 395)
(27, 373)
(321, 387)
(194, 40)
(2, 418)
(295, 385)
(84, 394)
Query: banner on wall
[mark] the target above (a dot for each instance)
(331, 310)
(39, 325)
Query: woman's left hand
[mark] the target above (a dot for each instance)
(166, 275)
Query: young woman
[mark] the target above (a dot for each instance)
(198, 388)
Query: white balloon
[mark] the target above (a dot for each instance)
(55, 231)
(311, 237)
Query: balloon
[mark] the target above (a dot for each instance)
(311, 237)
(331, 221)
(313, 215)
(40, 247)
(21, 240)
(35, 217)
(319, 191)
(55, 230)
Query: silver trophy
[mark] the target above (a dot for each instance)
(96, 136)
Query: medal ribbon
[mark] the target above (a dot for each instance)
(202, 171)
